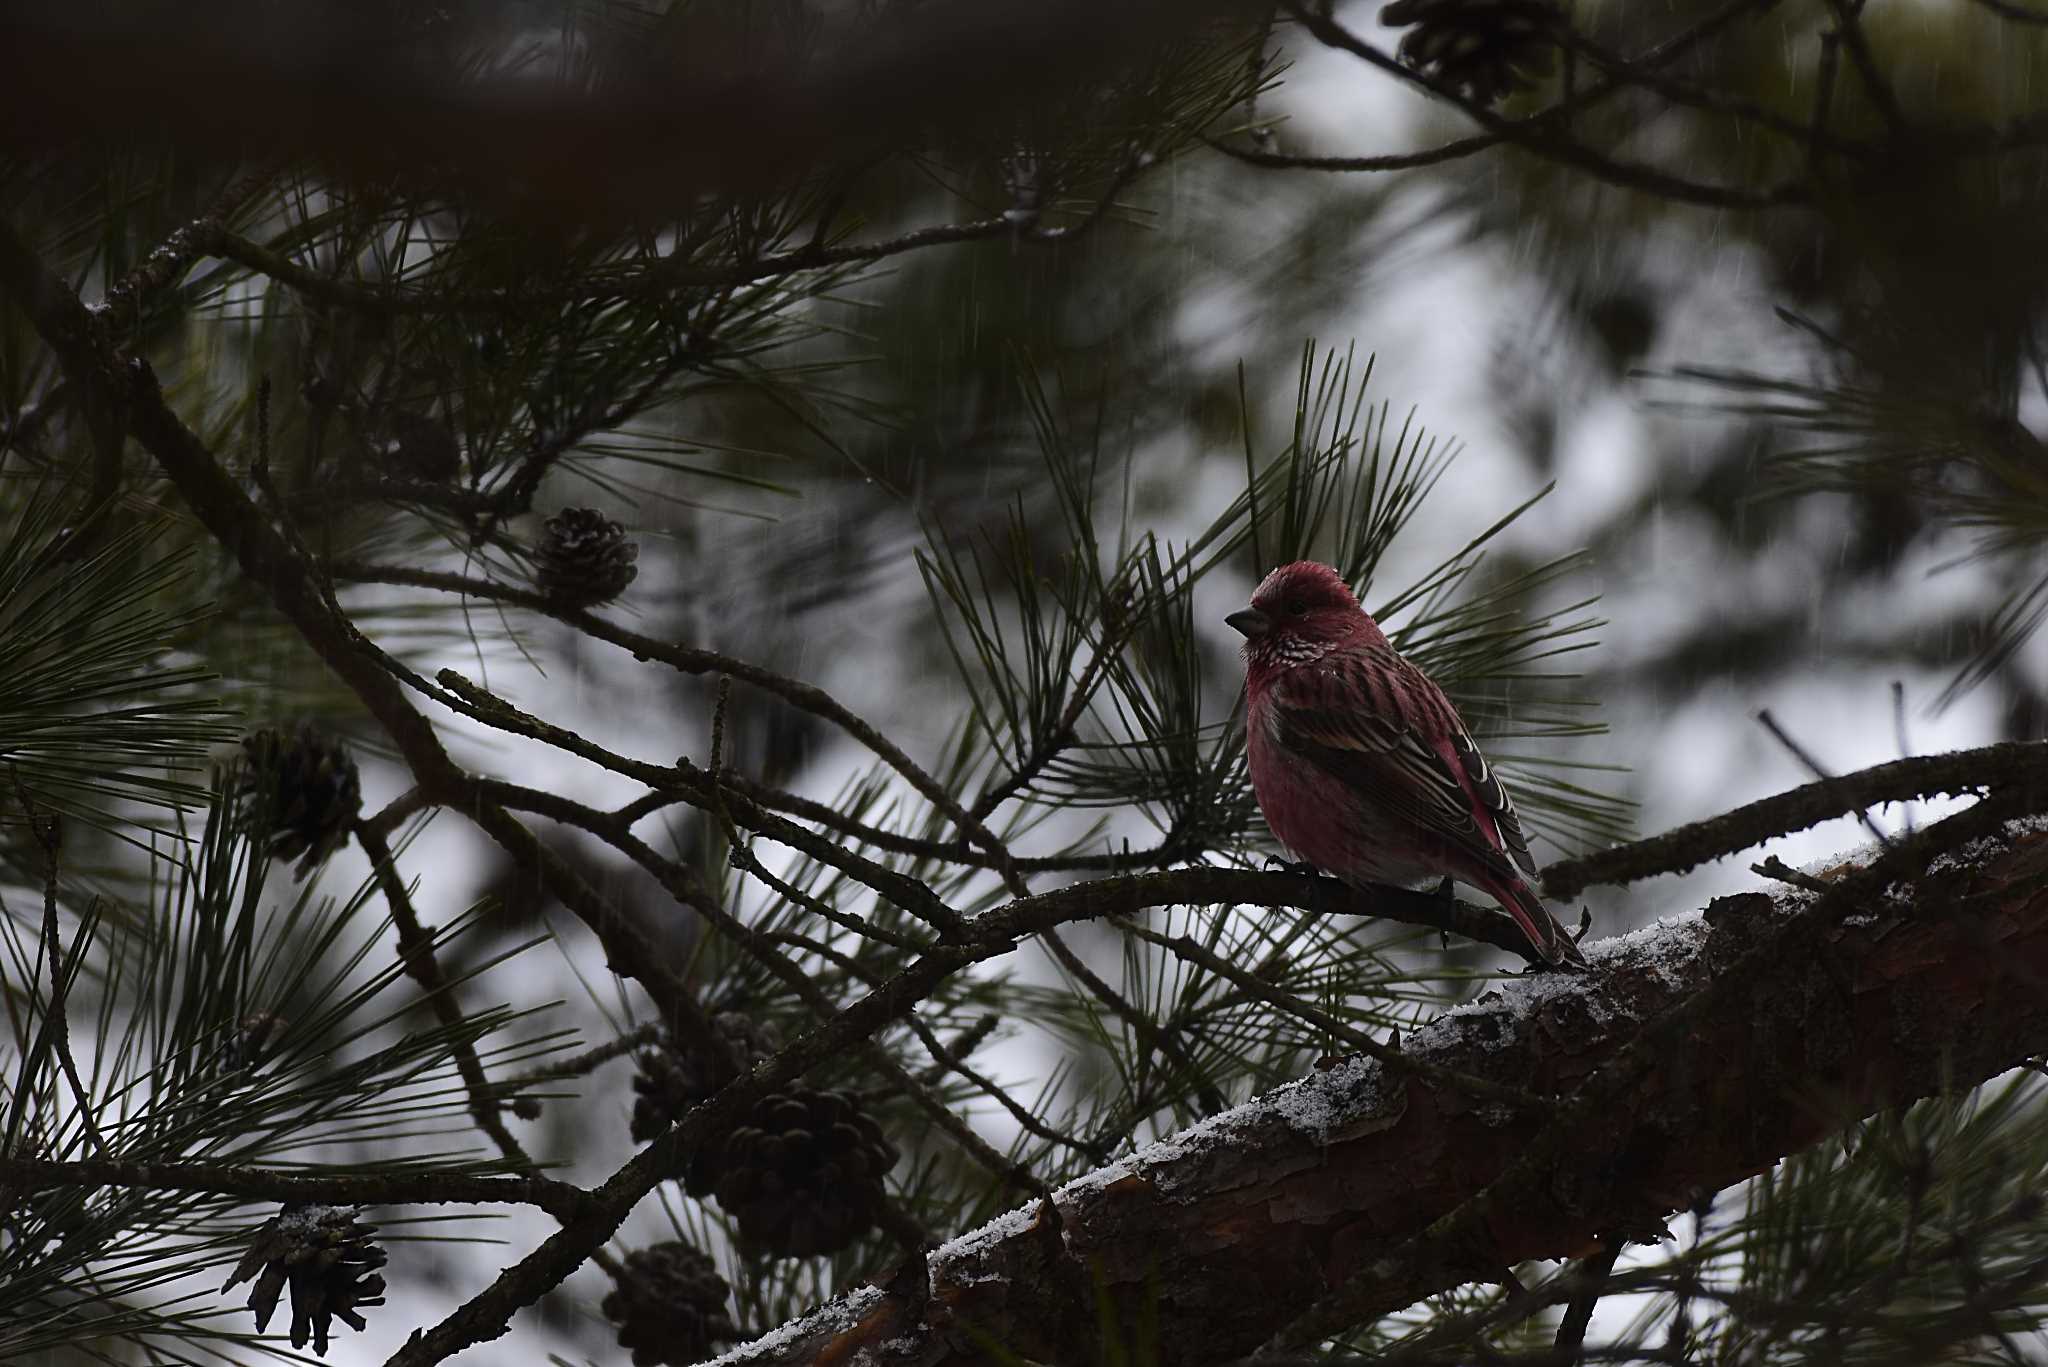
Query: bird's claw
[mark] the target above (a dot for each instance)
(1275, 864)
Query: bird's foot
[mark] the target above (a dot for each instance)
(1443, 890)
(1275, 864)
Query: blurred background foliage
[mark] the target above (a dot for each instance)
(925, 352)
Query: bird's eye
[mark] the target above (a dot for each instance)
(1295, 607)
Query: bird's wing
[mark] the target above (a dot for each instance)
(1367, 716)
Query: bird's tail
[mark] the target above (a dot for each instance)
(1551, 940)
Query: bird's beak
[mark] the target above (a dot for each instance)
(1250, 621)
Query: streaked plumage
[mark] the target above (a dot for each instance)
(1362, 765)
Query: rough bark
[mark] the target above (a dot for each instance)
(1227, 1233)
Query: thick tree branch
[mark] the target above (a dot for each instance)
(1236, 1227)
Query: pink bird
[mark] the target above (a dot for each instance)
(1362, 765)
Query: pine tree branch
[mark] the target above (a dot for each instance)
(1548, 142)
(652, 280)
(416, 953)
(126, 386)
(591, 1059)
(1331, 1181)
(381, 1188)
(2011, 766)
(1626, 73)
(695, 661)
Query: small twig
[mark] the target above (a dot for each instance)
(577, 1065)
(955, 1126)
(416, 955)
(1813, 766)
(1904, 743)
(1779, 871)
(720, 698)
(1269, 160)
(657, 276)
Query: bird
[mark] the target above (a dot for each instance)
(1362, 766)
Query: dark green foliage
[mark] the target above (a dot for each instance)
(96, 706)
(176, 991)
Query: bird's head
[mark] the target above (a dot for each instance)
(1298, 614)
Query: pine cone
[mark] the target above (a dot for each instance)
(1486, 48)
(585, 559)
(671, 1080)
(300, 791)
(330, 1261)
(670, 1306)
(802, 1174)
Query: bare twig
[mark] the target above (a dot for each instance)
(1779, 871)
(577, 1065)
(416, 953)
(1813, 766)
